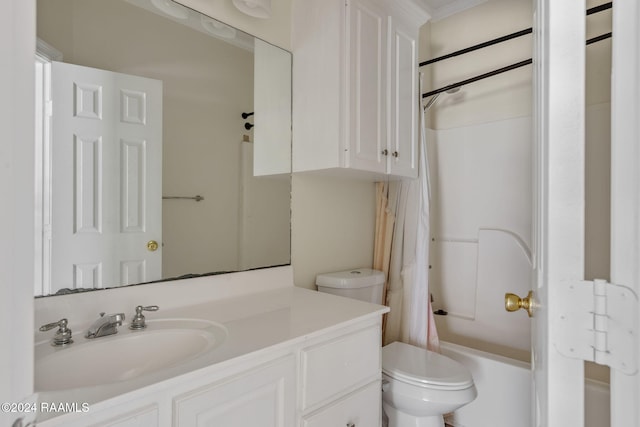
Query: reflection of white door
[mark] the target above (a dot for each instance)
(106, 178)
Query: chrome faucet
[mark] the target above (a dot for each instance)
(139, 322)
(105, 325)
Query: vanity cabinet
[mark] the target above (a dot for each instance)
(289, 357)
(264, 396)
(355, 85)
(329, 379)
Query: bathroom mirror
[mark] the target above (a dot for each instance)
(163, 145)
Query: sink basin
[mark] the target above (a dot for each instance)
(126, 355)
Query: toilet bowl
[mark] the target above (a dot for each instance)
(420, 386)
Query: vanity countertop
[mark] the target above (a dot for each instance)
(256, 322)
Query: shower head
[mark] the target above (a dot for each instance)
(434, 98)
(431, 101)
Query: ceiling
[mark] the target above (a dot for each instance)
(440, 9)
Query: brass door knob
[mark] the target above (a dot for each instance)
(152, 245)
(513, 302)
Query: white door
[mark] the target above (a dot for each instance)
(559, 79)
(106, 178)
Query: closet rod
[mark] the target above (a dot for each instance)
(591, 11)
(501, 70)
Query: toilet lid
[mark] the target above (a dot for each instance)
(418, 366)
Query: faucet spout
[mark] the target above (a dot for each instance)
(105, 325)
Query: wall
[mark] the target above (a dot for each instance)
(333, 221)
(502, 101)
(505, 96)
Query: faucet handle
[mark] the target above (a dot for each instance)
(63, 334)
(139, 321)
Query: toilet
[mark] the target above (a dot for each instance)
(418, 386)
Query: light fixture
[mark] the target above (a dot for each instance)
(255, 8)
(171, 8)
(217, 28)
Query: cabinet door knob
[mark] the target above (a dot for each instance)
(351, 425)
(385, 152)
(395, 154)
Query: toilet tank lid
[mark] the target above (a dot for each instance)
(351, 279)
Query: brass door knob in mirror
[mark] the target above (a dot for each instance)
(513, 302)
(152, 245)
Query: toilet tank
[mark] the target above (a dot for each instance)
(364, 284)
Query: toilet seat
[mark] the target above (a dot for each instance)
(422, 368)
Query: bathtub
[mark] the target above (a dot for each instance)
(504, 392)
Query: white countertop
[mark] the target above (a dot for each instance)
(256, 322)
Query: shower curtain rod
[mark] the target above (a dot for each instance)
(501, 70)
(590, 11)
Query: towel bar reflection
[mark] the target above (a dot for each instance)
(197, 198)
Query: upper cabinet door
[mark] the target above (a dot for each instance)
(367, 58)
(403, 105)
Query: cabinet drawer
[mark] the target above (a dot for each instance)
(359, 409)
(335, 366)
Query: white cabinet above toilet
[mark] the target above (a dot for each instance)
(355, 85)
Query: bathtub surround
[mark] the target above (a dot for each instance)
(504, 392)
(481, 245)
(482, 240)
(504, 104)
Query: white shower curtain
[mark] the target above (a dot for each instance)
(411, 318)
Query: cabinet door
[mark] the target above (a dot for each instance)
(367, 31)
(263, 397)
(360, 409)
(404, 102)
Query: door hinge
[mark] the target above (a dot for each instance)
(598, 322)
